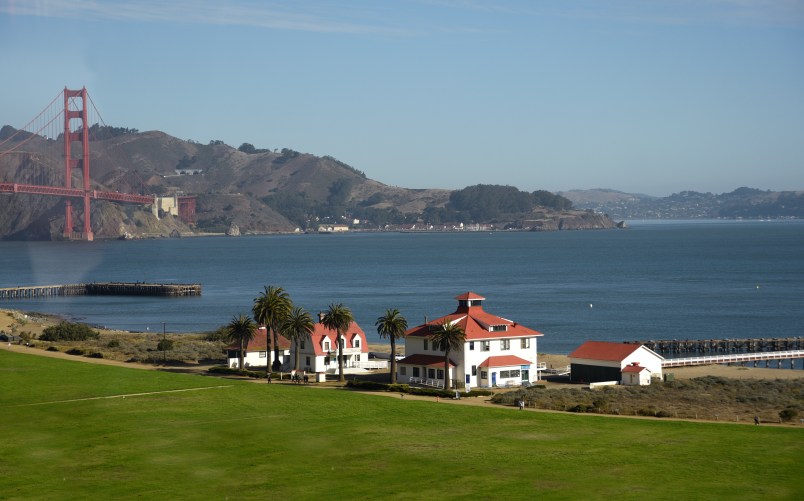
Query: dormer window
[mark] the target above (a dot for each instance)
(498, 328)
(356, 342)
(326, 345)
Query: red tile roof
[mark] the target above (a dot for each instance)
(260, 342)
(321, 333)
(503, 361)
(426, 360)
(475, 323)
(602, 350)
(634, 368)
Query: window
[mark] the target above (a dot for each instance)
(471, 345)
(307, 361)
(485, 346)
(263, 354)
(474, 370)
(357, 358)
(302, 347)
(499, 328)
(509, 374)
(326, 360)
(356, 342)
(431, 373)
(484, 375)
(403, 370)
(505, 344)
(425, 345)
(326, 345)
(525, 343)
(440, 374)
(415, 372)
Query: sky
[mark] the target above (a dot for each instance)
(642, 96)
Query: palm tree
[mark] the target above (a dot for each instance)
(448, 336)
(297, 326)
(338, 318)
(241, 330)
(270, 309)
(392, 326)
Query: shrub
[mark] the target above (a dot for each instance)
(95, 355)
(788, 414)
(52, 348)
(68, 331)
(218, 335)
(476, 393)
(165, 345)
(398, 387)
(114, 343)
(650, 411)
(236, 372)
(581, 408)
(432, 392)
(75, 351)
(367, 385)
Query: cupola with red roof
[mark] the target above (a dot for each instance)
(469, 300)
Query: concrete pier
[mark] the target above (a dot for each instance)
(101, 289)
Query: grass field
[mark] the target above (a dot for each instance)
(258, 441)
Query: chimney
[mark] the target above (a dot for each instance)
(320, 317)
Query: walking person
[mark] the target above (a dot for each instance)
(756, 420)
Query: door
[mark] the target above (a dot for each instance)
(493, 379)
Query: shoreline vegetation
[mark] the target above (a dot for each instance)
(712, 392)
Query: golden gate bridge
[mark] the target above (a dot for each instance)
(68, 116)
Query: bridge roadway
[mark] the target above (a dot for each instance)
(76, 193)
(101, 289)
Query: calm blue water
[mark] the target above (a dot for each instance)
(653, 281)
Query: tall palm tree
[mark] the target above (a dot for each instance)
(392, 326)
(297, 326)
(448, 336)
(270, 309)
(241, 330)
(338, 318)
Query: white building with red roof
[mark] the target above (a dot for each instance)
(257, 352)
(497, 351)
(318, 352)
(598, 361)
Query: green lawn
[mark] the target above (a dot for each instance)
(287, 442)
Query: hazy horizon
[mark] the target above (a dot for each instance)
(641, 97)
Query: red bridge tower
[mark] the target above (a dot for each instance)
(82, 134)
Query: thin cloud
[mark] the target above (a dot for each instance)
(257, 14)
(659, 12)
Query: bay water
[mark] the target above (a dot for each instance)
(655, 280)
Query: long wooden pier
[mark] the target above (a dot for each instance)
(736, 358)
(677, 347)
(101, 289)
